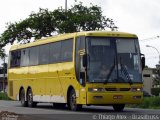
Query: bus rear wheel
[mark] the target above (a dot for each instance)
(22, 98)
(118, 107)
(72, 101)
(30, 99)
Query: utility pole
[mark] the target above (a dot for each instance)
(4, 74)
(66, 5)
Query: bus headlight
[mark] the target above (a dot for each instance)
(137, 89)
(96, 89)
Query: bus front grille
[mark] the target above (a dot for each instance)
(117, 89)
(111, 89)
(125, 89)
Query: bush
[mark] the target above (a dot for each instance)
(4, 96)
(145, 104)
(155, 91)
(148, 102)
(155, 102)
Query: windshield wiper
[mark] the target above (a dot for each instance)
(109, 74)
(124, 70)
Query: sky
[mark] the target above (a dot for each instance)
(140, 17)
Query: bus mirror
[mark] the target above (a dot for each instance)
(82, 78)
(143, 62)
(84, 60)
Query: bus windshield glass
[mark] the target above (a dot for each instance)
(113, 60)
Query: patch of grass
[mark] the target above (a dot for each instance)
(155, 102)
(4, 96)
(148, 102)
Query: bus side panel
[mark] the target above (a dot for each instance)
(82, 95)
(17, 78)
(67, 78)
(53, 86)
(35, 80)
(45, 83)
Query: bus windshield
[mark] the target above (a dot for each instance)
(113, 60)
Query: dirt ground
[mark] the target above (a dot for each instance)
(5, 115)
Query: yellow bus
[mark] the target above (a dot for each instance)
(75, 69)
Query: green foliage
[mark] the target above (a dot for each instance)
(155, 91)
(41, 24)
(156, 79)
(46, 23)
(2, 54)
(4, 96)
(155, 102)
(148, 102)
(146, 66)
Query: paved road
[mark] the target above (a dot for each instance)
(47, 112)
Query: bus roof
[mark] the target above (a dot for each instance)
(71, 35)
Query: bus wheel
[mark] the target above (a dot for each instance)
(22, 98)
(30, 99)
(118, 107)
(72, 101)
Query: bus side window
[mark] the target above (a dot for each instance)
(54, 52)
(25, 57)
(12, 59)
(44, 54)
(33, 56)
(15, 58)
(67, 50)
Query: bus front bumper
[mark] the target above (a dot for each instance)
(105, 98)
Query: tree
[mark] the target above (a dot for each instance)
(156, 79)
(4, 69)
(2, 54)
(46, 23)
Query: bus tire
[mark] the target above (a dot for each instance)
(22, 98)
(72, 101)
(30, 99)
(118, 107)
